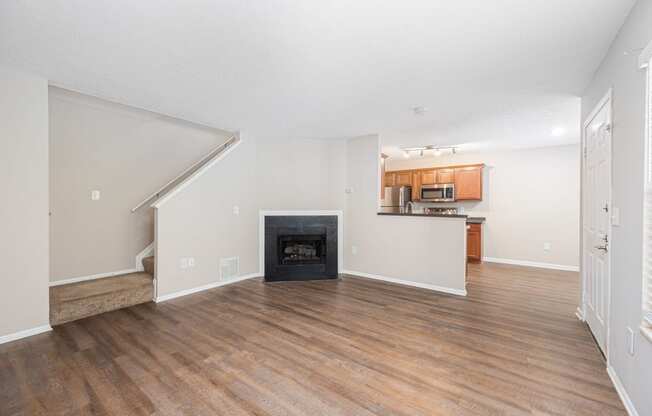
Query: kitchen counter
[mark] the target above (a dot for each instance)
(404, 213)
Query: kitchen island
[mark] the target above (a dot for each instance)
(473, 228)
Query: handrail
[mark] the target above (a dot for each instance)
(209, 156)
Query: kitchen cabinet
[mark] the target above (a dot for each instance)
(468, 183)
(446, 175)
(467, 180)
(429, 177)
(474, 243)
(416, 185)
(390, 179)
(404, 178)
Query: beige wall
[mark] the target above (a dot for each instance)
(530, 197)
(299, 175)
(620, 71)
(126, 154)
(428, 251)
(260, 174)
(24, 208)
(199, 222)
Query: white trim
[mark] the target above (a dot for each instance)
(205, 287)
(580, 314)
(195, 175)
(598, 107)
(147, 252)
(25, 333)
(645, 56)
(448, 290)
(620, 388)
(528, 263)
(261, 233)
(91, 277)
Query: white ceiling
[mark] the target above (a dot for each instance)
(500, 71)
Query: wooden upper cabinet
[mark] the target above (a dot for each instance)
(404, 178)
(468, 183)
(416, 185)
(446, 175)
(429, 177)
(390, 179)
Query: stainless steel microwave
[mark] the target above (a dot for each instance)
(444, 192)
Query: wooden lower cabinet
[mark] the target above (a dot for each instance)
(474, 243)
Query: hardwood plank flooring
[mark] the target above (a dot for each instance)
(354, 346)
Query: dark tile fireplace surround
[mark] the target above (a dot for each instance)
(299, 247)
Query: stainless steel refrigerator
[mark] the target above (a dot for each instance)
(396, 198)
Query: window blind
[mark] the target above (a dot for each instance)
(647, 237)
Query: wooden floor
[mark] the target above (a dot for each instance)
(347, 347)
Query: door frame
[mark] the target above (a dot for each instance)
(605, 101)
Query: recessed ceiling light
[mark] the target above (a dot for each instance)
(558, 131)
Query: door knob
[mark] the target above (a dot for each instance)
(604, 248)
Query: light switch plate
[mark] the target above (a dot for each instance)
(547, 246)
(95, 195)
(191, 262)
(236, 210)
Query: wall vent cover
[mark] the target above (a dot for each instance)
(229, 268)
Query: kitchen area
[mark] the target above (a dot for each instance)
(436, 191)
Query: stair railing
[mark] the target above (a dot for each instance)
(194, 167)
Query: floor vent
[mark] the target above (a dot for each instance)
(229, 268)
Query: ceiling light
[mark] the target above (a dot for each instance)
(558, 131)
(406, 154)
(421, 152)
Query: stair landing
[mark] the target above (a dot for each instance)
(80, 300)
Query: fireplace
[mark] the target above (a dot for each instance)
(300, 247)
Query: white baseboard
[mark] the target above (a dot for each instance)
(458, 292)
(627, 402)
(205, 287)
(92, 277)
(532, 264)
(579, 313)
(24, 334)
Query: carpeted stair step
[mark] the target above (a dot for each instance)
(80, 300)
(148, 264)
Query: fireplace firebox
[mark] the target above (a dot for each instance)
(299, 247)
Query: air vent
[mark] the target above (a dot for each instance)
(229, 268)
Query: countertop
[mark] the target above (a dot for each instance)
(400, 212)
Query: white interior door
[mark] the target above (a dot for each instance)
(597, 221)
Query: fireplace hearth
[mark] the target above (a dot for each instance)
(300, 247)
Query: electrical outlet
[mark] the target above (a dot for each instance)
(236, 210)
(630, 341)
(354, 250)
(183, 263)
(546, 246)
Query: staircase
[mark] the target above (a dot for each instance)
(81, 300)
